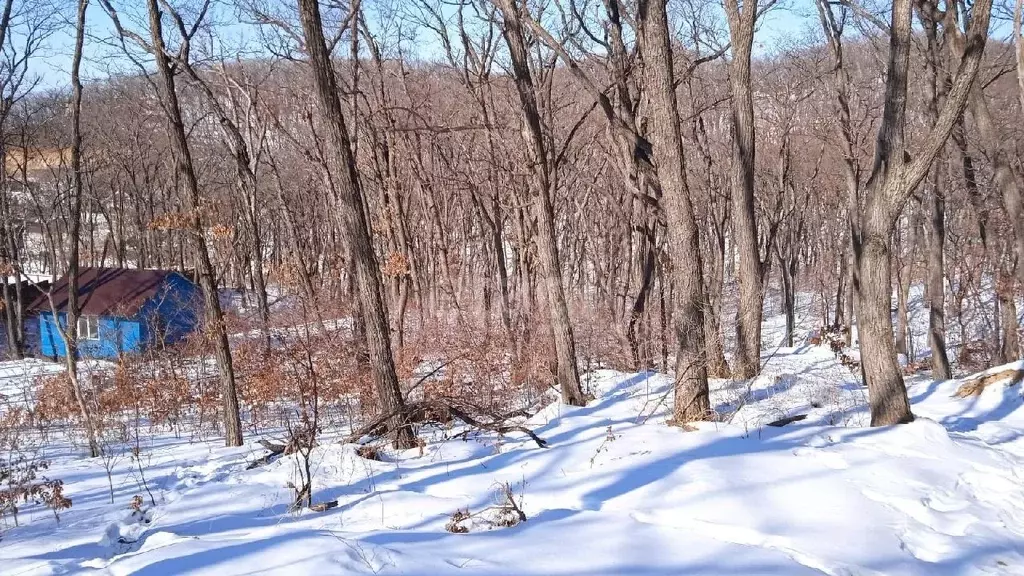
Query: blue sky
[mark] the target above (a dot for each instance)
(790, 21)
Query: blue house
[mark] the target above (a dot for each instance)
(122, 311)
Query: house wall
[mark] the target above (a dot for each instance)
(167, 317)
(30, 333)
(31, 341)
(116, 336)
(172, 314)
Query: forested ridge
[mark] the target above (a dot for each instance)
(527, 190)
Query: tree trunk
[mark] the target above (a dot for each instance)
(789, 298)
(259, 280)
(717, 365)
(904, 277)
(8, 261)
(14, 342)
(902, 339)
(848, 325)
(893, 179)
(840, 317)
(751, 292)
(70, 332)
(349, 203)
(887, 394)
(185, 168)
(546, 238)
(692, 399)
(936, 283)
(1009, 348)
(640, 361)
(934, 89)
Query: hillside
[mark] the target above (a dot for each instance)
(615, 492)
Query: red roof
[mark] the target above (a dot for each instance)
(107, 291)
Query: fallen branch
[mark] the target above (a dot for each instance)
(788, 420)
(324, 506)
(416, 412)
(275, 450)
(975, 386)
(497, 427)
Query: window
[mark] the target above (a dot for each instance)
(89, 328)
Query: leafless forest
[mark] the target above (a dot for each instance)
(516, 191)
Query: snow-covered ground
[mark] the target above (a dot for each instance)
(617, 492)
(18, 378)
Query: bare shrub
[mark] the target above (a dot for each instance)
(369, 452)
(457, 522)
(21, 471)
(506, 512)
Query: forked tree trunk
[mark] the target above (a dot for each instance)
(893, 179)
(350, 205)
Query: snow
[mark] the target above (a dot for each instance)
(33, 278)
(17, 378)
(617, 492)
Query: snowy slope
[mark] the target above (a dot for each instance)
(17, 378)
(618, 492)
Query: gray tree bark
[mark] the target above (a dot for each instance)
(893, 178)
(547, 250)
(185, 168)
(351, 207)
(692, 399)
(70, 331)
(744, 224)
(936, 203)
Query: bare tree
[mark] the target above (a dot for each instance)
(25, 28)
(894, 177)
(349, 203)
(193, 216)
(547, 245)
(692, 401)
(851, 169)
(69, 333)
(744, 224)
(935, 85)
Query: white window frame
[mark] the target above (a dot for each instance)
(88, 327)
